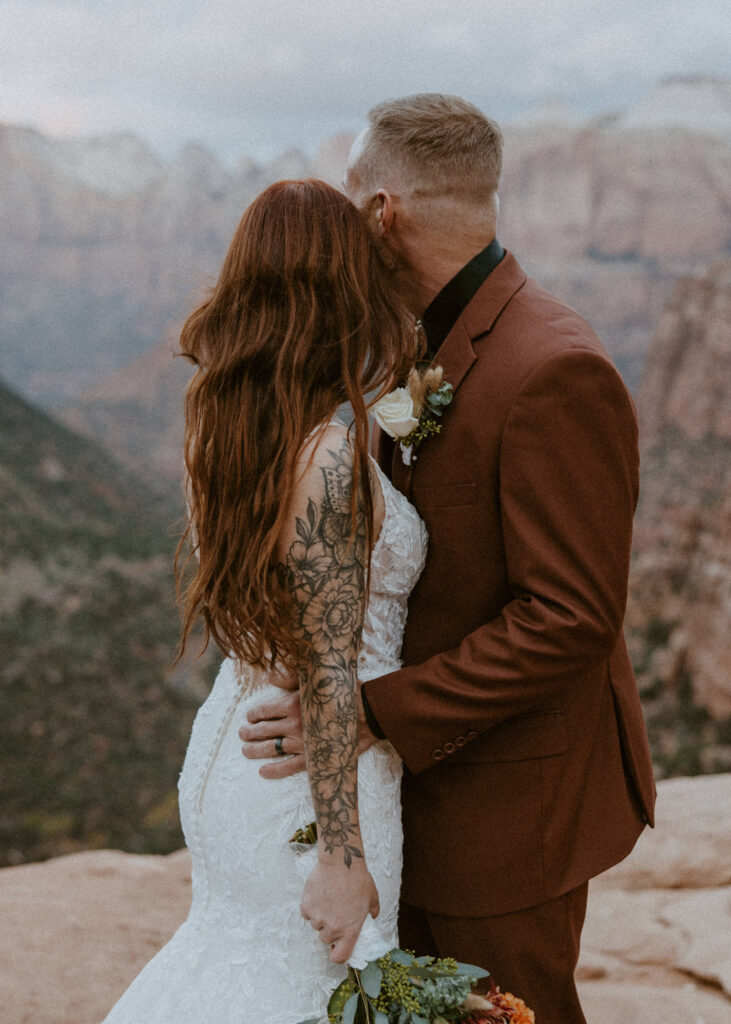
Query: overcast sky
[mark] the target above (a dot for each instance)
(254, 78)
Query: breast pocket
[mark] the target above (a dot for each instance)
(439, 496)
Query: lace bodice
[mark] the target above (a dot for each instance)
(396, 564)
(245, 953)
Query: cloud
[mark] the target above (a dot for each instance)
(255, 77)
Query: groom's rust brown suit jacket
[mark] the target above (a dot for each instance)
(517, 713)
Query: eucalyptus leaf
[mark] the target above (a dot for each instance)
(339, 998)
(311, 1020)
(419, 1020)
(370, 979)
(430, 972)
(399, 957)
(475, 972)
(350, 1007)
(381, 1018)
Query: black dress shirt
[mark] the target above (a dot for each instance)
(446, 308)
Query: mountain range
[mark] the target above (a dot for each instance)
(605, 212)
(103, 245)
(104, 249)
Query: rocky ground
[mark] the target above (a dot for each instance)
(656, 941)
(76, 930)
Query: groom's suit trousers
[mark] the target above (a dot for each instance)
(531, 953)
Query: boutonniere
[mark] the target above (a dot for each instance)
(413, 413)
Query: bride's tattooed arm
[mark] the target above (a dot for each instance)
(323, 575)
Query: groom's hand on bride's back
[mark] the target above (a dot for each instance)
(281, 717)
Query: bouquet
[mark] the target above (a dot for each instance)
(401, 988)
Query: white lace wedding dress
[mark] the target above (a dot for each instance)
(245, 955)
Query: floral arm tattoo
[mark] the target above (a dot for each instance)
(324, 576)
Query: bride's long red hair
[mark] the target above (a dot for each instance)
(303, 318)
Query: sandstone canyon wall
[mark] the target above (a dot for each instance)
(679, 616)
(605, 212)
(103, 249)
(102, 244)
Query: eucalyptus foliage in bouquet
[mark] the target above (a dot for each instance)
(400, 988)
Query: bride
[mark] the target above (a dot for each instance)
(306, 558)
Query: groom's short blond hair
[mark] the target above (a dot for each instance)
(431, 145)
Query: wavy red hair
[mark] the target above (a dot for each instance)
(302, 319)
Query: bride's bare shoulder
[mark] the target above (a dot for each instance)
(318, 447)
(324, 475)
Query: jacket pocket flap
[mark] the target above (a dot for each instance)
(518, 739)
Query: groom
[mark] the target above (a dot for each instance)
(517, 715)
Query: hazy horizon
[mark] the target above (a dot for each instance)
(251, 79)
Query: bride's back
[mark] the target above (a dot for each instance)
(303, 318)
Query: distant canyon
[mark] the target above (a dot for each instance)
(104, 250)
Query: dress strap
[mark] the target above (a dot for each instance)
(334, 422)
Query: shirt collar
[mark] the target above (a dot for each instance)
(445, 309)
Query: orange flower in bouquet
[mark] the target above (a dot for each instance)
(497, 1008)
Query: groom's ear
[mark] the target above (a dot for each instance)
(383, 211)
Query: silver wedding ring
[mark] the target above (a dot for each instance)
(279, 746)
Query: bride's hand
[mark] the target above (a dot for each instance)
(283, 718)
(336, 901)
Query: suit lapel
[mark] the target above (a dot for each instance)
(456, 355)
(490, 300)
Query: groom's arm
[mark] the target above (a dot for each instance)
(568, 489)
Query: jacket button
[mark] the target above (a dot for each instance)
(471, 735)
(437, 754)
(460, 741)
(449, 748)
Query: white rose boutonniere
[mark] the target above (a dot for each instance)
(394, 413)
(411, 414)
